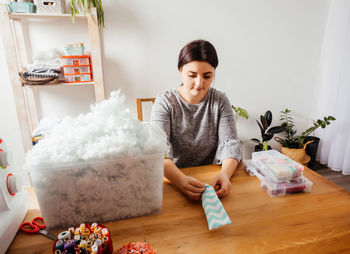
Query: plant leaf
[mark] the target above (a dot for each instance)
(268, 117)
(264, 122)
(267, 136)
(256, 140)
(261, 128)
(276, 129)
(243, 113)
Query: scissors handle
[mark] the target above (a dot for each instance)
(42, 224)
(34, 228)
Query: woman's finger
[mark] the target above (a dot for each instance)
(225, 188)
(193, 181)
(214, 183)
(221, 192)
(193, 195)
(194, 189)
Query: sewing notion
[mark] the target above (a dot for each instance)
(85, 239)
(37, 226)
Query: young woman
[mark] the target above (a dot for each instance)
(199, 123)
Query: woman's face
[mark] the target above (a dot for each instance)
(196, 79)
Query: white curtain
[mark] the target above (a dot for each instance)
(332, 92)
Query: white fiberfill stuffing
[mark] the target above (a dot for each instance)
(98, 167)
(107, 132)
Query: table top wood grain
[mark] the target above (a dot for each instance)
(315, 222)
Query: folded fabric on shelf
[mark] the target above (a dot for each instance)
(39, 72)
(30, 80)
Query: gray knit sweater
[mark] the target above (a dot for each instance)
(198, 134)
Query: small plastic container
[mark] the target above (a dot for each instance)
(77, 69)
(277, 166)
(21, 7)
(274, 189)
(280, 189)
(74, 51)
(75, 60)
(77, 78)
(99, 191)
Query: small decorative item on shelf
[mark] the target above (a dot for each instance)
(76, 49)
(21, 7)
(77, 69)
(50, 6)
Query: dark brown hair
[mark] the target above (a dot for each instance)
(198, 50)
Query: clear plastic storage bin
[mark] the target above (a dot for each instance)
(99, 191)
(273, 188)
(74, 51)
(75, 60)
(280, 189)
(78, 69)
(277, 166)
(77, 78)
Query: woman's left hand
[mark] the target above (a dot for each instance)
(221, 183)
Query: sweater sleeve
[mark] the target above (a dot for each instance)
(161, 116)
(229, 146)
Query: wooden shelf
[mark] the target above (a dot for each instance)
(43, 16)
(65, 84)
(14, 41)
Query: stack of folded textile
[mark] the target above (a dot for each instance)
(46, 69)
(42, 71)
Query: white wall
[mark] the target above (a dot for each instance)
(268, 56)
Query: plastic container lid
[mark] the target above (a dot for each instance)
(78, 56)
(277, 166)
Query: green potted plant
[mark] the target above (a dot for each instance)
(266, 132)
(294, 145)
(83, 6)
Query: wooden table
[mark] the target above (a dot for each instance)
(315, 222)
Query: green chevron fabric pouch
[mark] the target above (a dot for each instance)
(214, 211)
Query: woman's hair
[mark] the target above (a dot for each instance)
(198, 50)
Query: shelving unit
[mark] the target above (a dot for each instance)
(17, 58)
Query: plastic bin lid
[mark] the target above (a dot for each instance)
(83, 65)
(77, 56)
(77, 74)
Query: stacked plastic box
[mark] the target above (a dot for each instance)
(279, 174)
(77, 69)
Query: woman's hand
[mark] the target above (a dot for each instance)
(191, 187)
(221, 183)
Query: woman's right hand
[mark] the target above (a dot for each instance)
(191, 187)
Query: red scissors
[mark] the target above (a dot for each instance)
(37, 226)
